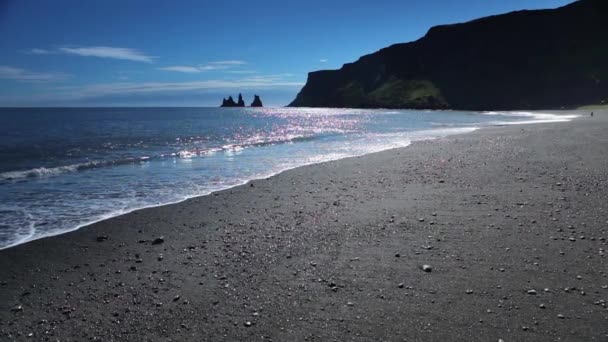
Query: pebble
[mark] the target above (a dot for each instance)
(427, 268)
(158, 240)
(248, 323)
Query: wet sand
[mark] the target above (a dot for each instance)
(512, 221)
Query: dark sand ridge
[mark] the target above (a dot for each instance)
(513, 221)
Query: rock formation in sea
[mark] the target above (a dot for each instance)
(256, 101)
(539, 59)
(241, 102)
(228, 102)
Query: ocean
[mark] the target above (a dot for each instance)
(63, 168)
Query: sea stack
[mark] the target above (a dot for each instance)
(229, 102)
(256, 101)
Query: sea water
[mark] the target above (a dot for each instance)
(63, 168)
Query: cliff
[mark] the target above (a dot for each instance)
(537, 59)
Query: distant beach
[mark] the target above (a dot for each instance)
(509, 220)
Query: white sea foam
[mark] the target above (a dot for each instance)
(534, 117)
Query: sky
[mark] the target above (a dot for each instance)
(194, 53)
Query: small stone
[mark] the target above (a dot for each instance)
(17, 308)
(427, 268)
(158, 240)
(421, 219)
(102, 238)
(469, 291)
(400, 285)
(531, 292)
(397, 255)
(542, 306)
(350, 304)
(176, 298)
(560, 316)
(248, 323)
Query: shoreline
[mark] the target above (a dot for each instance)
(569, 113)
(333, 250)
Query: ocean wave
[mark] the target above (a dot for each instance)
(255, 141)
(58, 170)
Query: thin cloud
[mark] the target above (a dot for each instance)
(232, 62)
(211, 66)
(131, 88)
(108, 52)
(323, 60)
(18, 74)
(244, 72)
(181, 68)
(36, 51)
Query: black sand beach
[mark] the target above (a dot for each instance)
(512, 220)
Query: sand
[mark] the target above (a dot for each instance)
(512, 221)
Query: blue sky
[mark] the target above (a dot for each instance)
(192, 53)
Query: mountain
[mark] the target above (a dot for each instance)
(537, 59)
